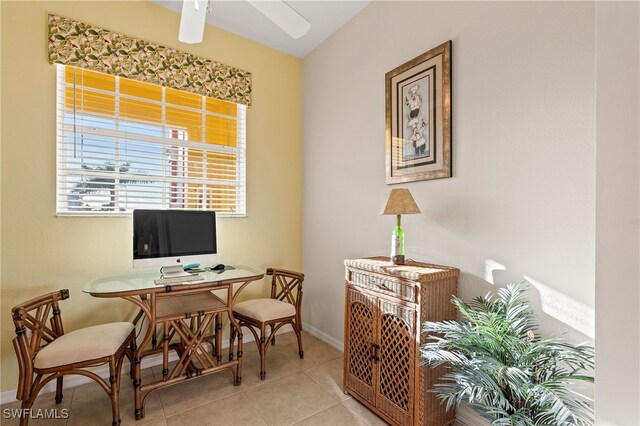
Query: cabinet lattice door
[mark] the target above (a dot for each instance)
(396, 372)
(360, 369)
(385, 305)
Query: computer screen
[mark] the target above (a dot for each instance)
(172, 236)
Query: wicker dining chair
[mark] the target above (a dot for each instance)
(45, 352)
(283, 307)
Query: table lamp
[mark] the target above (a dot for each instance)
(400, 202)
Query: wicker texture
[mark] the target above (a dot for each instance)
(411, 270)
(361, 334)
(398, 287)
(395, 398)
(385, 306)
(439, 308)
(187, 305)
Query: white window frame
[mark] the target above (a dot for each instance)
(167, 142)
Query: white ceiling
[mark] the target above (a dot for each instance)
(239, 17)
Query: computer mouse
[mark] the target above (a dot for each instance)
(218, 267)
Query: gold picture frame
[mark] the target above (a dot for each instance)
(418, 118)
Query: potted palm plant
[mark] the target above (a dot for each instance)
(503, 369)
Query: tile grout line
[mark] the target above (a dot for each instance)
(164, 413)
(311, 368)
(236, 393)
(304, 371)
(254, 410)
(360, 416)
(197, 406)
(321, 387)
(294, 369)
(319, 412)
(73, 394)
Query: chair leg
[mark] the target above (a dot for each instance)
(273, 337)
(114, 384)
(120, 364)
(296, 328)
(24, 412)
(131, 353)
(263, 353)
(59, 390)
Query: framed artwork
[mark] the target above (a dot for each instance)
(418, 118)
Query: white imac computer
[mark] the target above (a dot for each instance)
(173, 238)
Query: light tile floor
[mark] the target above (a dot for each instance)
(296, 391)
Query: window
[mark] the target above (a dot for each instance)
(123, 144)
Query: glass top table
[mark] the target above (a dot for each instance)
(184, 314)
(140, 283)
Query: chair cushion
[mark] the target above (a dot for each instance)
(265, 309)
(83, 345)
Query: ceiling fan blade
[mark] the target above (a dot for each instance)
(192, 21)
(283, 16)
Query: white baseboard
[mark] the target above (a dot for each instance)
(465, 416)
(323, 336)
(74, 380)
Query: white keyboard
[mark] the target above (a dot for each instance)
(178, 280)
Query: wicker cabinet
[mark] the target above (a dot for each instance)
(385, 305)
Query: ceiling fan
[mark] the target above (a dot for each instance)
(194, 13)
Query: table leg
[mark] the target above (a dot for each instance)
(165, 350)
(137, 371)
(218, 328)
(190, 348)
(232, 339)
(137, 382)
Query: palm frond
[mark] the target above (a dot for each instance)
(503, 369)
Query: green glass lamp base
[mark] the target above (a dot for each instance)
(397, 244)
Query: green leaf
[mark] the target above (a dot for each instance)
(502, 368)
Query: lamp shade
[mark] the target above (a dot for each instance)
(400, 202)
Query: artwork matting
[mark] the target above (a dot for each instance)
(418, 118)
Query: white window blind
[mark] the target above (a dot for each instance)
(123, 144)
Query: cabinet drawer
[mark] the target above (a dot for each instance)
(403, 289)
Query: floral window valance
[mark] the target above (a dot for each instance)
(82, 45)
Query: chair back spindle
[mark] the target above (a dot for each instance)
(286, 285)
(37, 323)
(45, 353)
(45, 324)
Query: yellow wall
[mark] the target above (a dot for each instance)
(42, 252)
(1, 344)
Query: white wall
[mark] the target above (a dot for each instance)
(523, 191)
(618, 213)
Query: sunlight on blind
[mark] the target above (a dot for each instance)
(124, 144)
